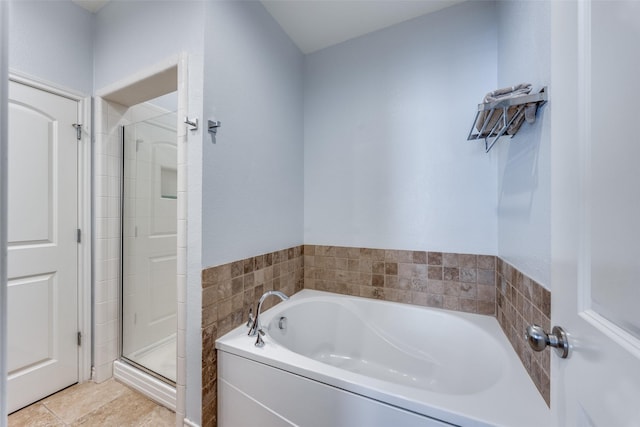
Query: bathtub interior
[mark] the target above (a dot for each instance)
(411, 346)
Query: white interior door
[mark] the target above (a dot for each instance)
(596, 212)
(42, 246)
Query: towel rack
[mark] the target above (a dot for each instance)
(506, 115)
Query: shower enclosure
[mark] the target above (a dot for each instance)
(149, 246)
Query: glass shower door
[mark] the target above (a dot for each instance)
(149, 245)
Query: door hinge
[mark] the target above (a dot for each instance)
(79, 236)
(79, 338)
(78, 128)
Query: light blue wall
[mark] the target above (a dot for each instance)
(133, 35)
(252, 199)
(524, 172)
(168, 102)
(52, 41)
(386, 159)
(253, 173)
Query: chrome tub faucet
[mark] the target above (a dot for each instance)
(256, 327)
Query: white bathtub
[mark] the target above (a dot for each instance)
(348, 361)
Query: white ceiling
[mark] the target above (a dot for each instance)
(316, 24)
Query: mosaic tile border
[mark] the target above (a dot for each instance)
(522, 301)
(227, 293)
(461, 282)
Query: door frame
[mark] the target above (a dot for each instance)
(190, 146)
(84, 209)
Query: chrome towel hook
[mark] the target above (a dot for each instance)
(193, 123)
(213, 125)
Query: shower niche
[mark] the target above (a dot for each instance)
(149, 239)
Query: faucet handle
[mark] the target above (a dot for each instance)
(259, 340)
(250, 321)
(253, 321)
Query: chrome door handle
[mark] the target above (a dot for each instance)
(538, 339)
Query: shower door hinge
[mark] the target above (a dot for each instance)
(79, 338)
(78, 127)
(79, 236)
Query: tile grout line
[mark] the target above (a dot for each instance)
(56, 419)
(108, 400)
(54, 414)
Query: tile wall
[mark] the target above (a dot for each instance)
(227, 293)
(182, 236)
(520, 302)
(461, 282)
(482, 284)
(108, 175)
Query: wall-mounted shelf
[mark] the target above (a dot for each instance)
(504, 117)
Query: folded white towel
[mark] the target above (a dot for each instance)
(508, 92)
(498, 95)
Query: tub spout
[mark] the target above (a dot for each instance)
(256, 328)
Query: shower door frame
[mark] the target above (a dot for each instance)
(130, 361)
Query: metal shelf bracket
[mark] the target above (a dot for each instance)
(496, 119)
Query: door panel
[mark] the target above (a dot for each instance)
(42, 253)
(595, 211)
(34, 155)
(34, 345)
(615, 248)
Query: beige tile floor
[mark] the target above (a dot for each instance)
(107, 404)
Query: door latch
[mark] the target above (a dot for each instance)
(538, 339)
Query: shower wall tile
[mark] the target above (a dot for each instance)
(107, 173)
(522, 301)
(461, 282)
(227, 293)
(182, 185)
